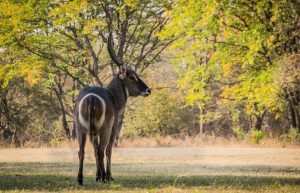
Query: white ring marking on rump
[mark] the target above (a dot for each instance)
(100, 122)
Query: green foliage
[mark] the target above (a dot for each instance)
(233, 58)
(239, 133)
(60, 46)
(27, 115)
(162, 113)
(228, 51)
(293, 136)
(256, 136)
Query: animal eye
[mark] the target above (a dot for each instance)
(131, 78)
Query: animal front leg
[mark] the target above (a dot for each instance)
(108, 159)
(108, 163)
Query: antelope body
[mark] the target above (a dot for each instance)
(99, 113)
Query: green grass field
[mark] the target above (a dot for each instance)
(207, 169)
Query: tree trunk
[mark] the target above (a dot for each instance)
(201, 121)
(64, 118)
(259, 121)
(7, 133)
(59, 93)
(292, 117)
(73, 102)
(296, 117)
(294, 114)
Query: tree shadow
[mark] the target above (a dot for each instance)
(16, 176)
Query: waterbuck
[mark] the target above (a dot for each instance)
(99, 112)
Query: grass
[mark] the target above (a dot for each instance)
(154, 170)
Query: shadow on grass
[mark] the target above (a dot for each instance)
(59, 183)
(38, 181)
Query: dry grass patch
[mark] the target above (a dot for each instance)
(207, 169)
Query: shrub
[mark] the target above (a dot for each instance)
(293, 136)
(162, 113)
(239, 133)
(256, 136)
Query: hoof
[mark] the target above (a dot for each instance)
(109, 179)
(98, 179)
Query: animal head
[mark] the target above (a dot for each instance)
(134, 84)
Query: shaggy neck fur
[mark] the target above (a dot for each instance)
(119, 91)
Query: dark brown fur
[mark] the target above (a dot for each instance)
(125, 84)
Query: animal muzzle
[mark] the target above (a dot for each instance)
(147, 92)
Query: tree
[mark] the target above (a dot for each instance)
(241, 42)
(65, 42)
(289, 80)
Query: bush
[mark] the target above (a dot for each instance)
(256, 136)
(239, 133)
(293, 136)
(30, 116)
(162, 113)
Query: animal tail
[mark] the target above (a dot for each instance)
(92, 116)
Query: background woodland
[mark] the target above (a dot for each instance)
(227, 68)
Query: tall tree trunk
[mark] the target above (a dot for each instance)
(7, 133)
(73, 102)
(292, 118)
(64, 118)
(59, 92)
(296, 117)
(294, 114)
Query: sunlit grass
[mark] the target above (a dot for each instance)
(165, 173)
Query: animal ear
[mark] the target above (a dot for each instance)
(123, 72)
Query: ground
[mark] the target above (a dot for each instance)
(203, 169)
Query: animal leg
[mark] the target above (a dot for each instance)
(108, 158)
(101, 150)
(82, 140)
(96, 146)
(101, 162)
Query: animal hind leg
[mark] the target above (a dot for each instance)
(102, 146)
(95, 142)
(101, 162)
(81, 140)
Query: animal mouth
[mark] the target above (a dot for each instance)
(146, 93)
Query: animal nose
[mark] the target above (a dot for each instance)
(148, 91)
